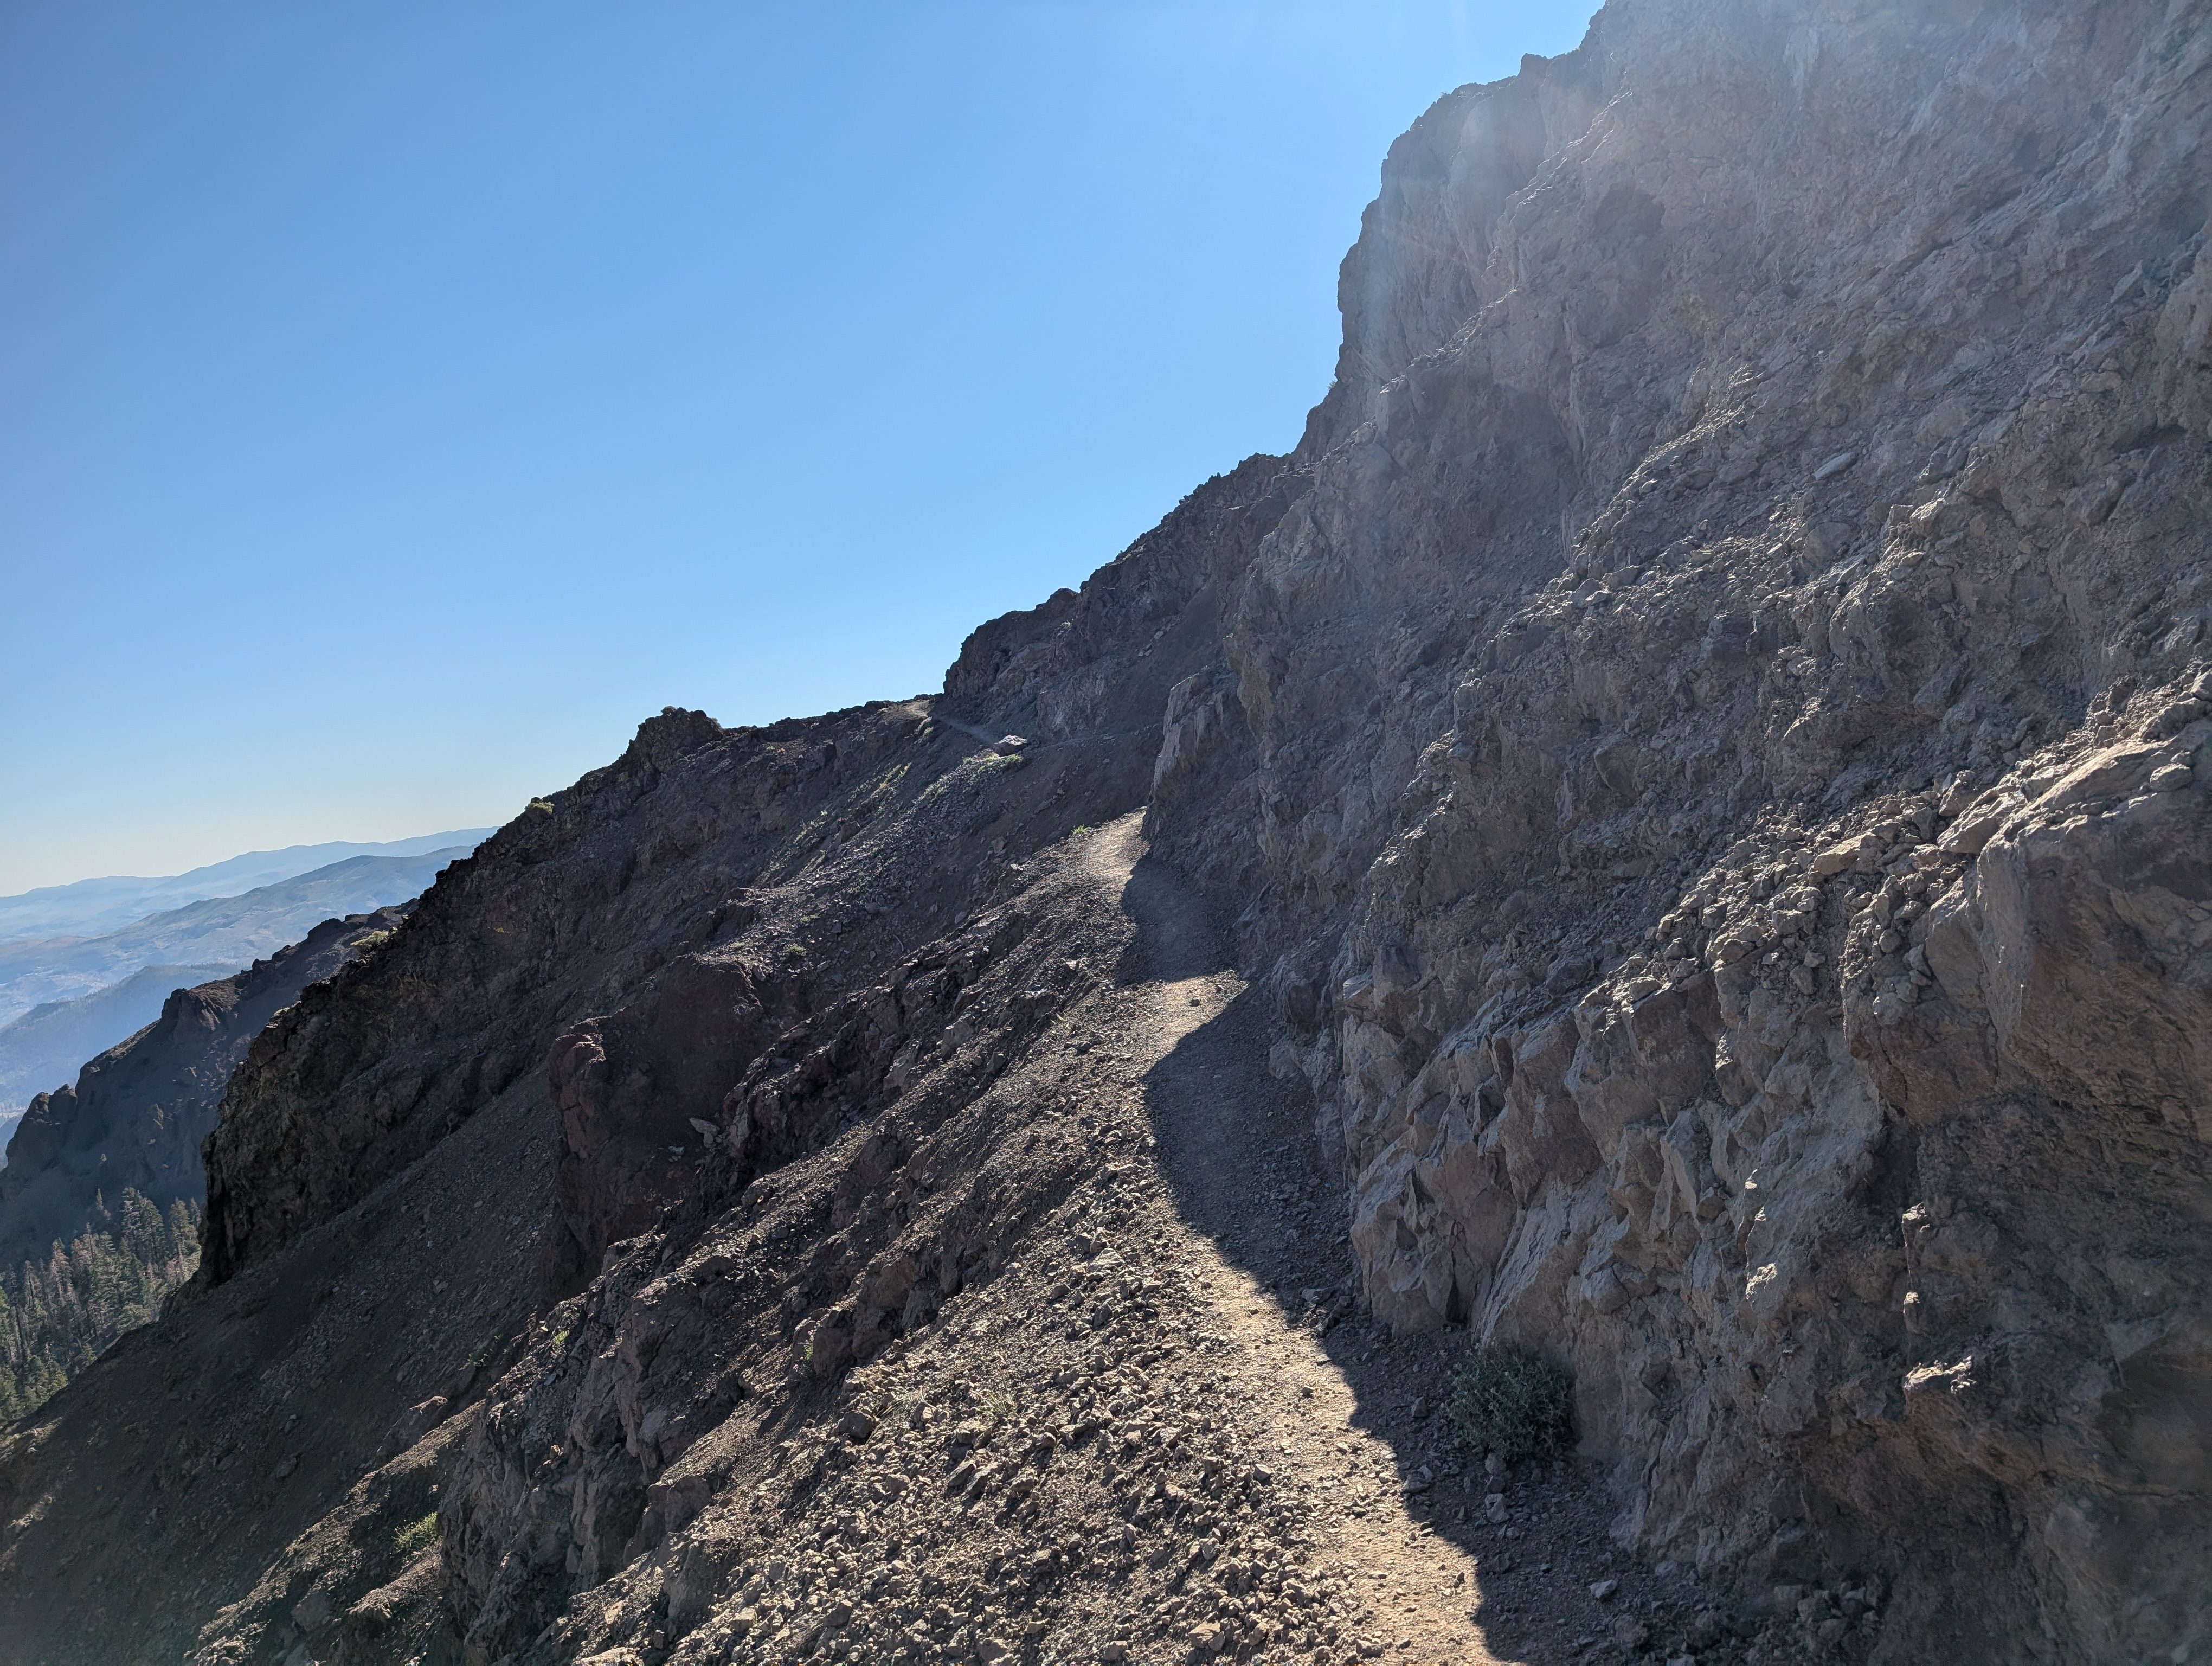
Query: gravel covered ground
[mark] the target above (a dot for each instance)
(1159, 1430)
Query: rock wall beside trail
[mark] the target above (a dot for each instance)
(1723, 710)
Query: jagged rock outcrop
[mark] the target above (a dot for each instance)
(1701, 747)
(137, 1115)
(1764, 464)
(605, 951)
(46, 1045)
(799, 914)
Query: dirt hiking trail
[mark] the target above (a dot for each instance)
(1195, 1044)
(1350, 1418)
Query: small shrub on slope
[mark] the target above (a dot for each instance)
(417, 1537)
(1508, 1401)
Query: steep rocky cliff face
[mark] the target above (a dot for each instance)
(1698, 755)
(1720, 717)
(1778, 984)
(1664, 939)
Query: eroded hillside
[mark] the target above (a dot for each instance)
(1673, 831)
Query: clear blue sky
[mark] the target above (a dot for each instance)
(398, 401)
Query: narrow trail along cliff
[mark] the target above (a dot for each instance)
(1200, 1068)
(1346, 1414)
(1671, 833)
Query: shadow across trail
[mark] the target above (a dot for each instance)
(1347, 1413)
(1244, 1172)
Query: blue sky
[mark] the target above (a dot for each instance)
(397, 402)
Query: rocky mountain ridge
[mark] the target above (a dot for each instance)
(1694, 765)
(44, 1047)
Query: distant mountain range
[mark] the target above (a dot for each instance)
(91, 906)
(67, 999)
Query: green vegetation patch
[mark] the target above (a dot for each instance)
(1510, 1401)
(417, 1537)
(995, 765)
(59, 1316)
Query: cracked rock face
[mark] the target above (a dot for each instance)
(1725, 712)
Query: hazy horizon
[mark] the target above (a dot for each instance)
(421, 842)
(398, 407)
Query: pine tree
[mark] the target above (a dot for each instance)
(57, 1317)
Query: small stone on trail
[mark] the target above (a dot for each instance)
(1604, 1588)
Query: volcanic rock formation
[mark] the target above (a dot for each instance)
(1689, 778)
